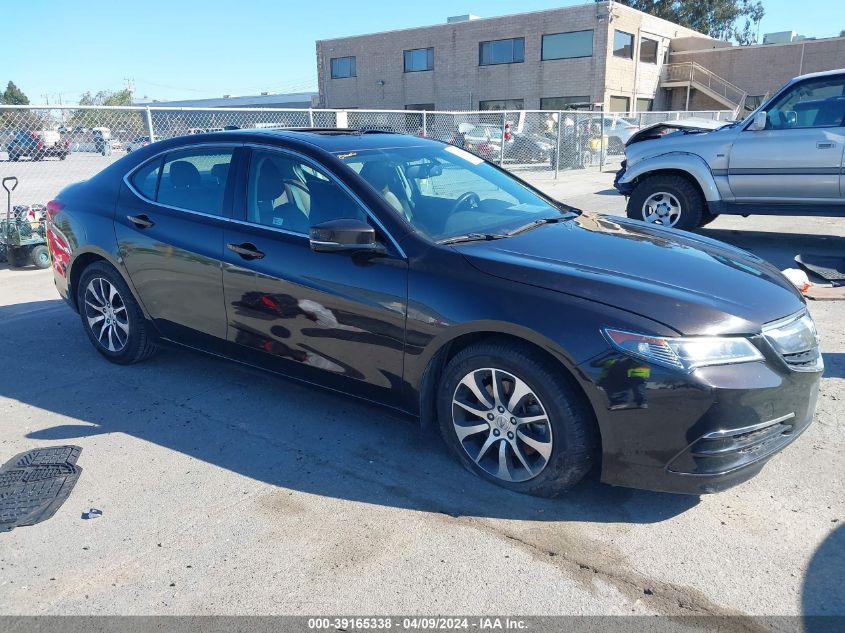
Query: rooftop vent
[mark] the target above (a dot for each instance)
(461, 18)
(782, 37)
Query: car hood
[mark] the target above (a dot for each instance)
(661, 129)
(689, 283)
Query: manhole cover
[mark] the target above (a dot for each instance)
(34, 484)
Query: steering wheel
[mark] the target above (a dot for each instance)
(470, 199)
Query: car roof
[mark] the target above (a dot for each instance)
(824, 73)
(335, 139)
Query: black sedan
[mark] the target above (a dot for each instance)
(542, 341)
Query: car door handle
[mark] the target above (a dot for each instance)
(246, 250)
(141, 221)
(824, 145)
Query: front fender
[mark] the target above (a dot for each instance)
(691, 164)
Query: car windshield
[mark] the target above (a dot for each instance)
(448, 193)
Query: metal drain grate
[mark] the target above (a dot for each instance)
(34, 484)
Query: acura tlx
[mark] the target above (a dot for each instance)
(542, 341)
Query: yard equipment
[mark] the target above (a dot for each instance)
(19, 240)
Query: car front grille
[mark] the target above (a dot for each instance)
(806, 360)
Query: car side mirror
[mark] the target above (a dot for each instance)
(759, 122)
(345, 234)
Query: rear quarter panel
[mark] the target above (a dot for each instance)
(86, 225)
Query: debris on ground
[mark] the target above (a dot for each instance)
(34, 484)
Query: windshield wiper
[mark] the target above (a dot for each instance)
(474, 237)
(535, 223)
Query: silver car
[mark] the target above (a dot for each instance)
(786, 158)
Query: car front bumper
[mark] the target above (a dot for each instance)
(625, 189)
(696, 433)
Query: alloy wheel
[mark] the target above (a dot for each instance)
(501, 424)
(106, 314)
(662, 208)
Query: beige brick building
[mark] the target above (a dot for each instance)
(601, 54)
(755, 70)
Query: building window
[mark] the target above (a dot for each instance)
(567, 45)
(644, 105)
(502, 104)
(620, 104)
(343, 67)
(565, 103)
(420, 106)
(419, 59)
(510, 51)
(623, 45)
(648, 50)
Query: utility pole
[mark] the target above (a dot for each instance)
(130, 86)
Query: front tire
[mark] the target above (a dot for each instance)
(513, 419)
(667, 200)
(707, 218)
(111, 318)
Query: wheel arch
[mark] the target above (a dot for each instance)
(84, 259)
(688, 166)
(536, 343)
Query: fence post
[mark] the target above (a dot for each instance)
(425, 124)
(601, 142)
(502, 148)
(150, 131)
(310, 117)
(557, 144)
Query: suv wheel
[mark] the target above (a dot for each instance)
(667, 200)
(510, 418)
(111, 317)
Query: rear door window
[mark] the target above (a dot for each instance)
(195, 180)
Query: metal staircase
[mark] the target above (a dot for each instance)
(693, 76)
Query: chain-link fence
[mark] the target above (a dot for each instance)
(48, 148)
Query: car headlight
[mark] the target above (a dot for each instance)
(684, 353)
(796, 336)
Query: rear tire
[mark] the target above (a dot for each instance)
(544, 457)
(40, 256)
(683, 202)
(103, 296)
(12, 257)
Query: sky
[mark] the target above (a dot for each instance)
(184, 49)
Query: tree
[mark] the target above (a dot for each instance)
(122, 123)
(13, 95)
(722, 19)
(106, 98)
